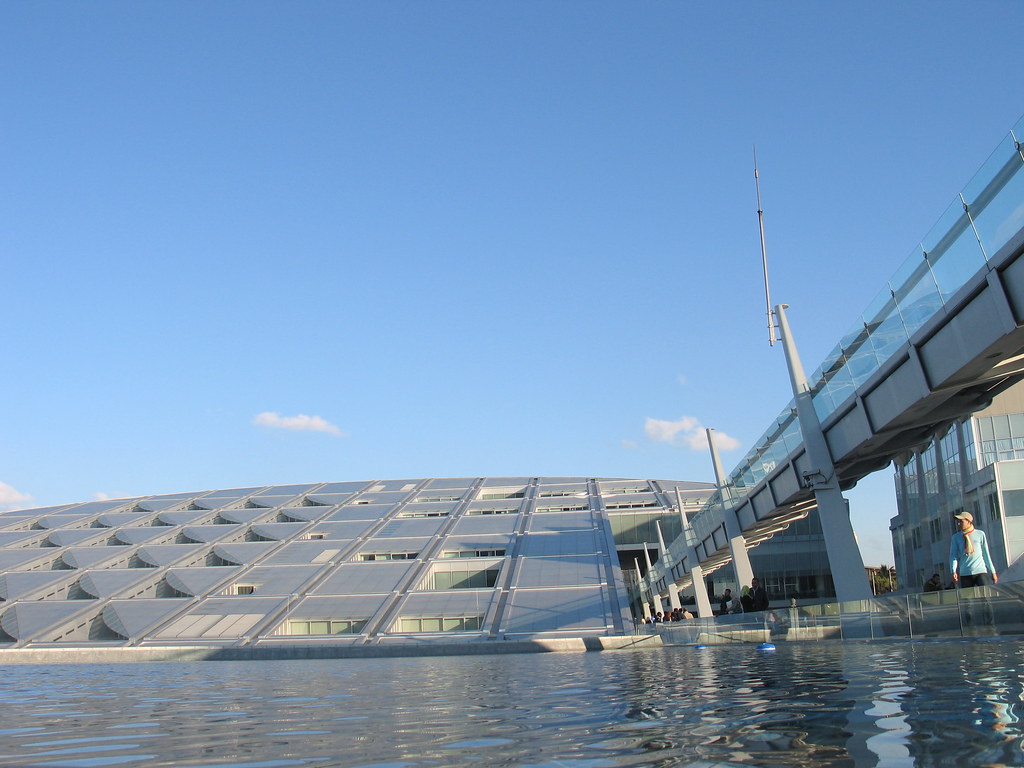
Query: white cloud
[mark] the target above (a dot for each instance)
(686, 431)
(661, 431)
(300, 423)
(11, 498)
(629, 444)
(681, 378)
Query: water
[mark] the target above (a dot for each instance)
(940, 703)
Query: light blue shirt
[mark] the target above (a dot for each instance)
(969, 565)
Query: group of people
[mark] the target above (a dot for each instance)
(676, 614)
(751, 598)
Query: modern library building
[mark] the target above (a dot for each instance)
(361, 563)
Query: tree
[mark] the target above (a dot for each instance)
(883, 579)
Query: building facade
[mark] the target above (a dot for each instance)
(369, 562)
(975, 464)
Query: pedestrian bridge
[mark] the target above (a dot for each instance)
(943, 336)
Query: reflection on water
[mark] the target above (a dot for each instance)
(906, 704)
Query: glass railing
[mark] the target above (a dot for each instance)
(976, 612)
(981, 220)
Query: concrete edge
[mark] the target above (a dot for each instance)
(120, 655)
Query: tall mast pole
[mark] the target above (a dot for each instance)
(844, 556)
(764, 258)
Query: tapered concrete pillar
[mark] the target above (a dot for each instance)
(697, 585)
(848, 572)
(737, 544)
(665, 561)
(700, 591)
(644, 606)
(656, 604)
(673, 596)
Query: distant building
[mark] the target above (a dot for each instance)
(975, 464)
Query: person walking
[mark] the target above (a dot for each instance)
(969, 558)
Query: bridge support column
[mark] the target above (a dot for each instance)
(700, 591)
(737, 544)
(656, 604)
(673, 596)
(699, 588)
(740, 559)
(848, 572)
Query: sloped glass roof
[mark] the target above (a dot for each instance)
(362, 561)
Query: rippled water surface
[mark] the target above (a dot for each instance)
(923, 704)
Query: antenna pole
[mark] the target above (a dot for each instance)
(764, 258)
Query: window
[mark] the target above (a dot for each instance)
(493, 512)
(463, 578)
(502, 493)
(438, 513)
(315, 536)
(244, 589)
(779, 587)
(429, 499)
(442, 624)
(564, 508)
(552, 494)
(633, 505)
(969, 453)
(473, 553)
(368, 557)
(326, 627)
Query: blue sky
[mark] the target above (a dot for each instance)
(259, 243)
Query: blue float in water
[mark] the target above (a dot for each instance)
(766, 647)
(700, 646)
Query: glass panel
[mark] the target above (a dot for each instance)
(917, 296)
(430, 625)
(839, 384)
(952, 250)
(985, 430)
(994, 196)
(452, 625)
(885, 325)
(887, 337)
(791, 435)
(775, 455)
(319, 627)
(299, 628)
(821, 395)
(861, 364)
